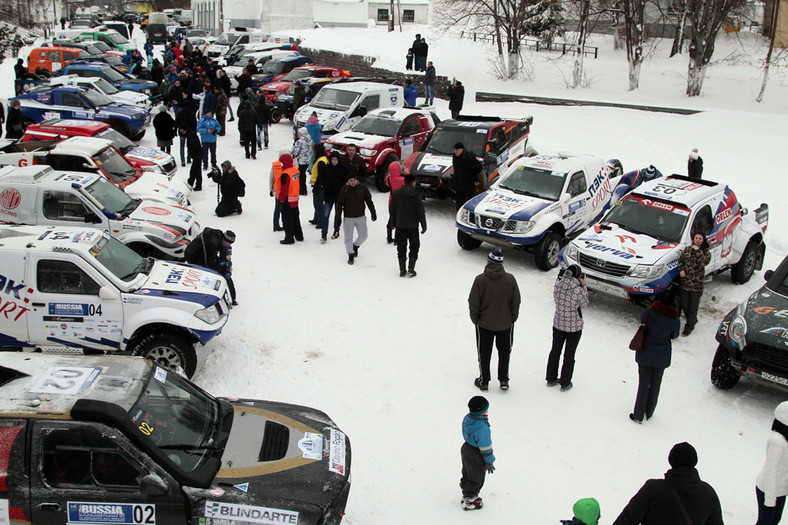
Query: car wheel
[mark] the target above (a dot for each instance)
(137, 135)
(380, 175)
(467, 242)
(723, 375)
(743, 270)
(546, 253)
(276, 116)
(168, 350)
(121, 127)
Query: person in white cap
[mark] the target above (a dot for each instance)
(771, 485)
(694, 165)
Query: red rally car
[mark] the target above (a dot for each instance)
(301, 73)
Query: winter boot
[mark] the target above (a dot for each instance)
(411, 273)
(350, 258)
(323, 238)
(355, 251)
(474, 503)
(481, 386)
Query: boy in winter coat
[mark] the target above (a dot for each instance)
(570, 295)
(771, 486)
(352, 200)
(692, 270)
(409, 59)
(317, 191)
(586, 512)
(407, 212)
(476, 452)
(332, 179)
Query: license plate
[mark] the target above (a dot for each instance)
(774, 379)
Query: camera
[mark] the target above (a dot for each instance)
(214, 173)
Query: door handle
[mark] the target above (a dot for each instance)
(39, 304)
(49, 506)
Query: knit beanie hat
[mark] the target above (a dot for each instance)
(229, 236)
(478, 405)
(587, 511)
(459, 145)
(286, 160)
(683, 455)
(694, 154)
(495, 256)
(651, 171)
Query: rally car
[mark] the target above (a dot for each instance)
(141, 157)
(79, 289)
(44, 103)
(132, 98)
(633, 251)
(494, 141)
(300, 74)
(96, 155)
(38, 195)
(384, 136)
(115, 77)
(753, 338)
(542, 201)
(100, 440)
(277, 68)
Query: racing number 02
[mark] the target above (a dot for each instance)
(145, 514)
(145, 428)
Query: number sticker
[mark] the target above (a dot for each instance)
(146, 429)
(66, 380)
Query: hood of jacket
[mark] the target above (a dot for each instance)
(684, 480)
(494, 271)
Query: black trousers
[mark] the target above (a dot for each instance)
(559, 338)
(291, 220)
(405, 236)
(195, 175)
(473, 472)
(228, 206)
(303, 178)
(690, 302)
(503, 342)
(769, 515)
(649, 383)
(230, 286)
(461, 197)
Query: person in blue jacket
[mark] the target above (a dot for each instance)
(410, 93)
(208, 128)
(476, 452)
(148, 47)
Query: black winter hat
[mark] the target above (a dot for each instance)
(459, 145)
(683, 455)
(495, 256)
(335, 154)
(574, 271)
(478, 404)
(229, 236)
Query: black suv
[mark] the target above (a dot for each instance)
(753, 338)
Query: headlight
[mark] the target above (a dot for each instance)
(147, 91)
(570, 251)
(646, 271)
(368, 152)
(523, 226)
(738, 330)
(154, 168)
(209, 315)
(465, 215)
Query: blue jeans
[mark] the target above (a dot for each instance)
(230, 107)
(327, 207)
(317, 202)
(429, 94)
(208, 147)
(264, 129)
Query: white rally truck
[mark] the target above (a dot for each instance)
(67, 289)
(39, 195)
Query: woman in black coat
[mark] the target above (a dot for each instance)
(662, 325)
(164, 125)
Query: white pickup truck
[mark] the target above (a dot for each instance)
(633, 251)
(80, 289)
(541, 201)
(38, 195)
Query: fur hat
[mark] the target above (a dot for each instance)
(694, 154)
(683, 455)
(495, 256)
(478, 404)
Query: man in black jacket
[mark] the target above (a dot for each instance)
(224, 83)
(229, 188)
(682, 497)
(194, 147)
(466, 176)
(15, 121)
(407, 212)
(205, 249)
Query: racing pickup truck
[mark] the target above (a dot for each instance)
(276, 68)
(633, 251)
(495, 142)
(121, 440)
(384, 136)
(540, 202)
(39, 195)
(753, 340)
(125, 96)
(44, 103)
(119, 79)
(77, 288)
(95, 155)
(141, 157)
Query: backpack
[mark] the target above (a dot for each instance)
(240, 187)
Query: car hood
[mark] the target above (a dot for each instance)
(138, 82)
(233, 71)
(766, 313)
(189, 283)
(167, 221)
(126, 110)
(280, 85)
(134, 98)
(506, 204)
(616, 243)
(324, 116)
(430, 164)
(149, 155)
(362, 140)
(159, 187)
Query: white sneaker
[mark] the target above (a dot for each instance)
(472, 503)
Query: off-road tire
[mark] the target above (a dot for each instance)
(546, 253)
(168, 350)
(723, 375)
(467, 242)
(743, 270)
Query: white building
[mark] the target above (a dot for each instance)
(412, 12)
(266, 15)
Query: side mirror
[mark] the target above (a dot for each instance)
(151, 485)
(106, 292)
(490, 157)
(768, 275)
(92, 218)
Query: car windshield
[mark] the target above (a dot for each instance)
(99, 45)
(196, 32)
(374, 125)
(109, 196)
(114, 165)
(113, 75)
(535, 182)
(274, 67)
(443, 140)
(227, 39)
(118, 258)
(75, 24)
(113, 60)
(660, 220)
(297, 74)
(177, 418)
(124, 144)
(117, 38)
(96, 97)
(106, 87)
(335, 99)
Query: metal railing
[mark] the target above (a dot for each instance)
(536, 44)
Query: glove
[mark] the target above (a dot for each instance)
(374, 216)
(489, 468)
(271, 193)
(423, 231)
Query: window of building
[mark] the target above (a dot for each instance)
(408, 15)
(383, 15)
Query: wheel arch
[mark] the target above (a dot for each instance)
(144, 330)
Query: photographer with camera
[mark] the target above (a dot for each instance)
(570, 295)
(230, 187)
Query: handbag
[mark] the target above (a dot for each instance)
(637, 340)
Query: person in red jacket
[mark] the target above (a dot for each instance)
(394, 180)
(287, 197)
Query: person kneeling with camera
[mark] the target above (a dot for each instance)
(231, 186)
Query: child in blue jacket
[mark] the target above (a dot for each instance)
(476, 452)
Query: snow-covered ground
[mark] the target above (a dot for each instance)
(392, 360)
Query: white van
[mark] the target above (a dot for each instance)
(228, 39)
(339, 106)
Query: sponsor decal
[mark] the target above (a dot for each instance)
(777, 331)
(66, 380)
(723, 330)
(599, 189)
(216, 492)
(774, 379)
(576, 205)
(160, 375)
(766, 310)
(500, 202)
(118, 513)
(249, 513)
(153, 210)
(132, 300)
(72, 309)
(613, 251)
(12, 307)
(311, 445)
(591, 237)
(336, 452)
(10, 198)
(243, 487)
(4, 519)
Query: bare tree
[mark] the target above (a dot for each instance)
(706, 19)
(680, 6)
(582, 36)
(768, 62)
(634, 31)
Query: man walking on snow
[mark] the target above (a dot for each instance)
(407, 213)
(352, 200)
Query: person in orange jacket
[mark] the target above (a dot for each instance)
(287, 197)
